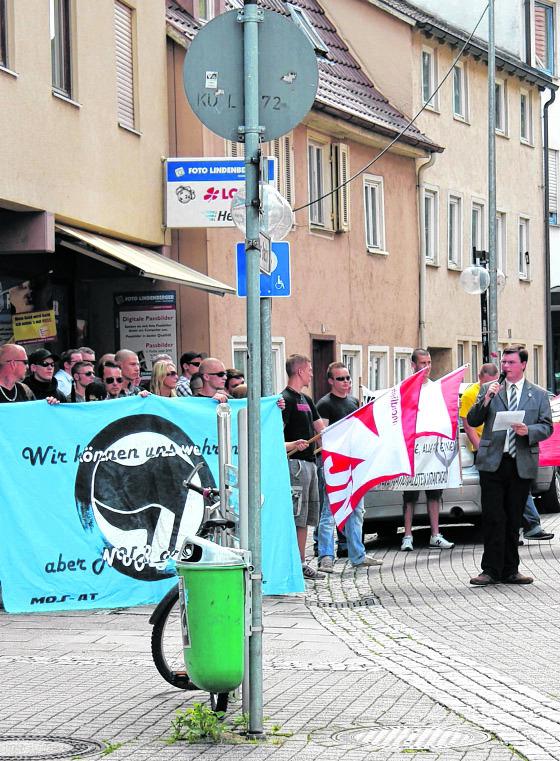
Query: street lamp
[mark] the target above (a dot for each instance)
(276, 215)
(475, 280)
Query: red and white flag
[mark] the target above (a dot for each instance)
(372, 445)
(439, 404)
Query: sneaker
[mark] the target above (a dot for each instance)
(406, 545)
(367, 561)
(311, 573)
(326, 564)
(441, 543)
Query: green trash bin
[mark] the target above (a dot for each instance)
(212, 599)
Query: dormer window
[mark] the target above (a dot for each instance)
(301, 19)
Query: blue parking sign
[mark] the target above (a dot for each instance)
(278, 283)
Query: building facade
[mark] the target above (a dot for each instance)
(453, 200)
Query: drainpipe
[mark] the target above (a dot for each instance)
(549, 348)
(422, 253)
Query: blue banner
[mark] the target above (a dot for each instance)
(94, 510)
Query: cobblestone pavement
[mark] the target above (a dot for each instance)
(369, 664)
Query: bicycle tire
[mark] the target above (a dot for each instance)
(166, 642)
(219, 701)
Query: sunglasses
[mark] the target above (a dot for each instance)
(194, 364)
(172, 374)
(221, 374)
(112, 380)
(88, 373)
(45, 364)
(343, 378)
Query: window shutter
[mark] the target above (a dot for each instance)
(341, 166)
(287, 164)
(125, 65)
(235, 150)
(540, 37)
(553, 184)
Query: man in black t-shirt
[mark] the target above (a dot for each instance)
(333, 407)
(301, 423)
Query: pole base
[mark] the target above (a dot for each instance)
(257, 734)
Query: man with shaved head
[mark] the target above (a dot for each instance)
(213, 374)
(13, 368)
(130, 366)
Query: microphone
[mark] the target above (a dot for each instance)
(501, 379)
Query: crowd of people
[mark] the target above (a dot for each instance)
(506, 457)
(77, 376)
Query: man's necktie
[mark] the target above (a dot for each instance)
(511, 433)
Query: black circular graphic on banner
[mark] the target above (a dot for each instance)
(130, 485)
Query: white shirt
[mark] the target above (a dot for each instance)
(518, 388)
(64, 381)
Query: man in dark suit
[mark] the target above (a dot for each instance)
(507, 462)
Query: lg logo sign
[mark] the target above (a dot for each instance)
(223, 194)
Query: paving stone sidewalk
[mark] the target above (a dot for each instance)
(372, 664)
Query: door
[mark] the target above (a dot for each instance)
(323, 353)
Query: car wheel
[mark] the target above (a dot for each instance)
(549, 501)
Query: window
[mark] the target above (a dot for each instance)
(378, 367)
(536, 364)
(501, 107)
(460, 91)
(351, 356)
(59, 19)
(239, 357)
(302, 20)
(124, 46)
(544, 37)
(319, 184)
(374, 213)
(402, 364)
(553, 187)
(454, 230)
(477, 228)
(430, 225)
(523, 248)
(525, 117)
(282, 150)
(3, 34)
(474, 362)
(429, 77)
(460, 354)
(501, 241)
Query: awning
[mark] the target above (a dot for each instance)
(146, 262)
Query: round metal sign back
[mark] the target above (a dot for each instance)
(213, 75)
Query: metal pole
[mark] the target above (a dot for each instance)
(550, 348)
(224, 451)
(242, 472)
(250, 17)
(266, 347)
(492, 264)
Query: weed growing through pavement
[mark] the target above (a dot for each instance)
(110, 747)
(199, 724)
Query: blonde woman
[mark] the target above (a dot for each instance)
(164, 379)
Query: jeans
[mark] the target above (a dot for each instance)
(352, 532)
(531, 517)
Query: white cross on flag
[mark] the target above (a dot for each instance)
(372, 445)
